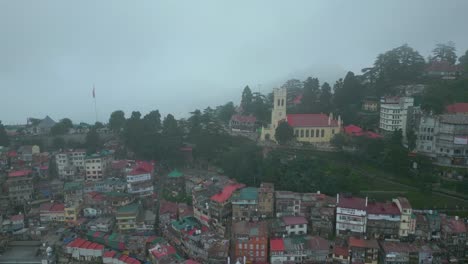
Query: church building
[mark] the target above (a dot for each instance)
(311, 128)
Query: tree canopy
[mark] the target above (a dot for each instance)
(445, 52)
(4, 140)
(117, 120)
(284, 133)
(61, 127)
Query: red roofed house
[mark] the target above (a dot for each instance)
(242, 123)
(294, 225)
(162, 253)
(139, 179)
(408, 219)
(383, 220)
(352, 130)
(251, 241)
(457, 108)
(363, 251)
(221, 207)
(299, 249)
(444, 70)
(52, 212)
(351, 215)
(277, 250)
(81, 249)
(312, 128)
(20, 186)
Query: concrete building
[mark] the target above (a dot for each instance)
(220, 207)
(311, 128)
(408, 219)
(300, 249)
(425, 134)
(140, 180)
(26, 153)
(351, 215)
(370, 104)
(294, 225)
(451, 140)
(245, 205)
(383, 220)
(240, 123)
(70, 163)
(20, 186)
(52, 212)
(127, 217)
(266, 199)
(394, 112)
(102, 224)
(97, 166)
(251, 241)
(363, 250)
(298, 204)
(453, 236)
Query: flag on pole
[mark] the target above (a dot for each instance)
(94, 92)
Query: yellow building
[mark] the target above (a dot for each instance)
(72, 212)
(127, 217)
(311, 128)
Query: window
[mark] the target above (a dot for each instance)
(323, 133)
(311, 133)
(282, 102)
(240, 245)
(317, 133)
(333, 131)
(302, 132)
(307, 133)
(296, 133)
(278, 102)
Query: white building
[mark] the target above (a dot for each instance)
(295, 225)
(140, 180)
(70, 163)
(408, 220)
(351, 215)
(425, 134)
(394, 113)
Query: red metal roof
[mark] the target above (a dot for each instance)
(142, 167)
(165, 250)
(443, 66)
(341, 251)
(19, 173)
(244, 119)
(352, 202)
(227, 192)
(297, 99)
(378, 208)
(361, 243)
(457, 108)
(109, 254)
(294, 220)
(18, 217)
(52, 207)
(276, 244)
(310, 120)
(352, 129)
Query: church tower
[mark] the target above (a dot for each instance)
(279, 106)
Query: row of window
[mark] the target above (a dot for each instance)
(423, 137)
(390, 111)
(257, 246)
(391, 116)
(310, 133)
(427, 129)
(280, 102)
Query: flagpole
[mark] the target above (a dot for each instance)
(95, 104)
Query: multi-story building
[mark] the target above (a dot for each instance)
(102, 224)
(363, 250)
(299, 204)
(453, 236)
(351, 215)
(73, 191)
(394, 112)
(299, 249)
(220, 207)
(245, 204)
(370, 104)
(70, 163)
(72, 211)
(52, 212)
(292, 225)
(97, 166)
(241, 123)
(321, 221)
(311, 128)
(127, 217)
(140, 180)
(451, 140)
(383, 220)
(408, 219)
(266, 200)
(251, 241)
(20, 186)
(425, 134)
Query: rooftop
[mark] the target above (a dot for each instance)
(276, 244)
(310, 120)
(454, 119)
(227, 192)
(248, 193)
(244, 119)
(175, 174)
(294, 220)
(129, 209)
(52, 207)
(457, 108)
(351, 202)
(382, 208)
(251, 229)
(19, 173)
(362, 243)
(160, 251)
(405, 204)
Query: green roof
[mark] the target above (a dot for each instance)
(184, 223)
(249, 193)
(175, 174)
(129, 209)
(72, 186)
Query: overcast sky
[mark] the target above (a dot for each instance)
(177, 56)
